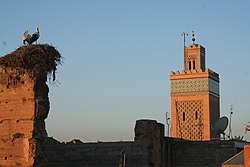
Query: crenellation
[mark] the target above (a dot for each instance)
(193, 71)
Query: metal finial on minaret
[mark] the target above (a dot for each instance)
(184, 35)
(184, 39)
(193, 39)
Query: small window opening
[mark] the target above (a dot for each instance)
(183, 116)
(189, 65)
(193, 64)
(196, 115)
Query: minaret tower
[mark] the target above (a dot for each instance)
(195, 97)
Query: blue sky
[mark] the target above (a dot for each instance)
(118, 56)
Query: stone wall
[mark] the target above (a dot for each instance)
(174, 152)
(198, 153)
(150, 149)
(24, 105)
(152, 133)
(100, 154)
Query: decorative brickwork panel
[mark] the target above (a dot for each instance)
(190, 119)
(189, 85)
(191, 56)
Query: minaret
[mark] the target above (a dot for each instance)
(195, 97)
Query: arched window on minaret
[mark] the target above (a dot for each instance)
(190, 65)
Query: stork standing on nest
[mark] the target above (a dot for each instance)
(26, 37)
(35, 36)
(30, 39)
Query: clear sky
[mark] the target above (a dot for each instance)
(119, 54)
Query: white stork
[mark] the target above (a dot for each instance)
(35, 36)
(30, 39)
(26, 37)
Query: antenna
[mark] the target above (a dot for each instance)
(184, 44)
(220, 126)
(230, 123)
(167, 121)
(193, 39)
(184, 37)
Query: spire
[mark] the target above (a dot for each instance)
(193, 39)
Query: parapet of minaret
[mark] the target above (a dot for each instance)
(24, 103)
(194, 72)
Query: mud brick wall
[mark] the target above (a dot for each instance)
(24, 105)
(152, 133)
(200, 153)
(100, 154)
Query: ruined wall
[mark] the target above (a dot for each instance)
(199, 153)
(146, 151)
(101, 154)
(23, 107)
(152, 133)
(174, 152)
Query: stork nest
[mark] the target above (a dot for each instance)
(36, 59)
